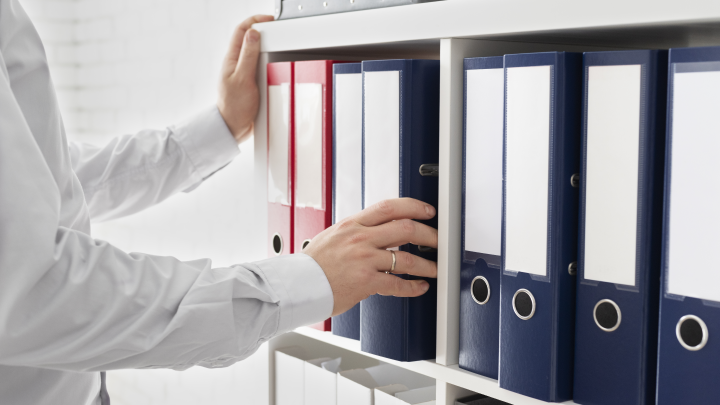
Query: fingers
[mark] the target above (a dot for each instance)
(236, 42)
(387, 284)
(403, 231)
(389, 210)
(405, 263)
(247, 65)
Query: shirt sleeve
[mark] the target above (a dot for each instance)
(69, 302)
(134, 172)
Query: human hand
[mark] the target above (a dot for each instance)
(239, 97)
(353, 254)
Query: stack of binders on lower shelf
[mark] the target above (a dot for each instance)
(575, 206)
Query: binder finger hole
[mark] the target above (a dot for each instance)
(692, 333)
(480, 290)
(607, 315)
(305, 243)
(277, 244)
(523, 304)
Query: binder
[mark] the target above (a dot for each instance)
(281, 154)
(479, 399)
(688, 367)
(540, 218)
(313, 153)
(623, 144)
(347, 166)
(400, 134)
(484, 92)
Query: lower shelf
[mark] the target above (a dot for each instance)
(448, 374)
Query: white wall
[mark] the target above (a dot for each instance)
(123, 65)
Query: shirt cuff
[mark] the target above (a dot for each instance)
(207, 141)
(304, 291)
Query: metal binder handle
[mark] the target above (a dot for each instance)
(278, 9)
(430, 170)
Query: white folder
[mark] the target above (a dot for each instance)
(320, 381)
(398, 394)
(289, 376)
(357, 387)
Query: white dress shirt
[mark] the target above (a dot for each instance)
(70, 305)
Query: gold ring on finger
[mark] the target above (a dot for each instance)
(392, 268)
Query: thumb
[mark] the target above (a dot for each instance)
(247, 64)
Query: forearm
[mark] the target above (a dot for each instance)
(93, 307)
(134, 172)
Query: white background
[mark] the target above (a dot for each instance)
(124, 65)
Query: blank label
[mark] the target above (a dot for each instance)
(348, 145)
(694, 190)
(527, 167)
(382, 136)
(611, 178)
(308, 146)
(279, 143)
(483, 160)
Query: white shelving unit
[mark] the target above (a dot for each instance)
(451, 31)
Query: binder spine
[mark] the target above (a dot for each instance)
(618, 366)
(347, 324)
(281, 217)
(536, 355)
(383, 319)
(479, 323)
(683, 375)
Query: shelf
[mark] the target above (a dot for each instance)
(448, 374)
(450, 31)
(619, 23)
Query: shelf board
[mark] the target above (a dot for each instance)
(449, 374)
(620, 23)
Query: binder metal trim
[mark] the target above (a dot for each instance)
(532, 299)
(704, 328)
(617, 308)
(487, 284)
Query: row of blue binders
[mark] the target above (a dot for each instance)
(575, 201)
(590, 218)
